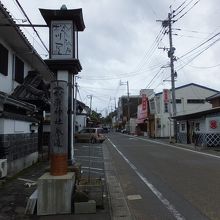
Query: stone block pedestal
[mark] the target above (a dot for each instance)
(85, 207)
(55, 194)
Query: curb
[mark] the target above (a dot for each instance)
(117, 202)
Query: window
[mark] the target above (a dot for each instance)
(84, 131)
(183, 127)
(166, 109)
(195, 101)
(178, 101)
(19, 70)
(197, 126)
(3, 60)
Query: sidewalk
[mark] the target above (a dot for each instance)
(14, 195)
(208, 150)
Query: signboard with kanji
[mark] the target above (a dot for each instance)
(166, 96)
(58, 136)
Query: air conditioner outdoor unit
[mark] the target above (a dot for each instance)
(3, 168)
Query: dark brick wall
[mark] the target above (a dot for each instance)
(15, 146)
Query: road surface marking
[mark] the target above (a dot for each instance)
(134, 197)
(132, 138)
(88, 157)
(180, 148)
(92, 171)
(156, 192)
(27, 180)
(92, 147)
(92, 168)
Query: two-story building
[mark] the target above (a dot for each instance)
(190, 98)
(201, 128)
(127, 110)
(23, 96)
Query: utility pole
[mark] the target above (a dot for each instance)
(114, 101)
(168, 23)
(128, 104)
(90, 105)
(74, 113)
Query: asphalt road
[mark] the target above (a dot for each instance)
(165, 182)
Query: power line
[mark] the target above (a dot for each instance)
(32, 25)
(199, 45)
(174, 15)
(178, 6)
(204, 67)
(151, 49)
(189, 36)
(24, 20)
(194, 31)
(153, 78)
(200, 53)
(97, 88)
(188, 10)
(124, 75)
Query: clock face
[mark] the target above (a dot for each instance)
(62, 39)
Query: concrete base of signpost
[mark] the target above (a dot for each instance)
(85, 207)
(55, 194)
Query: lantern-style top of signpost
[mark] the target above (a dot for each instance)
(64, 25)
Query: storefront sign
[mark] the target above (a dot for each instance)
(144, 102)
(165, 95)
(213, 124)
(142, 113)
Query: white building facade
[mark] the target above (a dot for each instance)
(18, 140)
(190, 98)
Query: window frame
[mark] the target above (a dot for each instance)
(183, 127)
(195, 101)
(18, 70)
(4, 60)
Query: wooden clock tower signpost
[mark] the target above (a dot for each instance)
(55, 187)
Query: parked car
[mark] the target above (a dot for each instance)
(105, 130)
(93, 135)
(124, 131)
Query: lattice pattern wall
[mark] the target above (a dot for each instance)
(182, 138)
(15, 146)
(201, 139)
(207, 139)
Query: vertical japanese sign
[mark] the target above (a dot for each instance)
(142, 111)
(58, 136)
(166, 100)
(165, 95)
(144, 102)
(62, 39)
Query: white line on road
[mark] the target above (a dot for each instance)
(134, 197)
(92, 168)
(88, 157)
(27, 180)
(180, 148)
(156, 192)
(92, 147)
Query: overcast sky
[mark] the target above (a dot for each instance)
(121, 42)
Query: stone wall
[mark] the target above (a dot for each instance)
(15, 146)
(20, 150)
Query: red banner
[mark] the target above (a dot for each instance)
(166, 95)
(144, 102)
